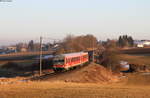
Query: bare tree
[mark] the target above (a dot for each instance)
(110, 55)
(78, 43)
(31, 46)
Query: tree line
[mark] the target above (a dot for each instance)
(125, 41)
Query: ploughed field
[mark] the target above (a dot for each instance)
(136, 50)
(135, 86)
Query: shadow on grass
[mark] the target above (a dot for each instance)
(12, 69)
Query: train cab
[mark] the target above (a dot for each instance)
(58, 62)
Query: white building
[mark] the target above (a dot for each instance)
(142, 43)
(11, 48)
(147, 43)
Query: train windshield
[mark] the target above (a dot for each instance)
(58, 61)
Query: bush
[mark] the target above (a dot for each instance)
(110, 56)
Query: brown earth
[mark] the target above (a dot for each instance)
(136, 50)
(93, 73)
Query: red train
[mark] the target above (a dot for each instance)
(70, 60)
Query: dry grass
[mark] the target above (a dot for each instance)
(138, 79)
(93, 73)
(72, 90)
(133, 88)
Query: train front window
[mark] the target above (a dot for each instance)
(58, 62)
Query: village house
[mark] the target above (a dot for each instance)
(142, 43)
(11, 49)
(2, 51)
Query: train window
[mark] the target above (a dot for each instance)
(68, 60)
(76, 58)
(59, 61)
(73, 59)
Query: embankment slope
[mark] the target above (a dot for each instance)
(93, 73)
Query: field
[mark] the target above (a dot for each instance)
(134, 86)
(72, 90)
(136, 55)
(136, 50)
(19, 54)
(133, 59)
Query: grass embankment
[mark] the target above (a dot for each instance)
(72, 90)
(19, 62)
(15, 68)
(93, 73)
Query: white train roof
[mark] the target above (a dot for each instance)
(72, 54)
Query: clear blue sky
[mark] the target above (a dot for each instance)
(28, 19)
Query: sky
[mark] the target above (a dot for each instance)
(23, 20)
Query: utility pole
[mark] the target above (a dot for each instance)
(40, 56)
(93, 48)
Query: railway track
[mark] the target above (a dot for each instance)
(55, 74)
